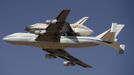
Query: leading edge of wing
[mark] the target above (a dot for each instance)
(63, 15)
(75, 60)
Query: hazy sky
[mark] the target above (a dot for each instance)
(23, 60)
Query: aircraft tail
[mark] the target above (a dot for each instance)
(110, 37)
(81, 21)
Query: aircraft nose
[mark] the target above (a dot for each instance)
(6, 38)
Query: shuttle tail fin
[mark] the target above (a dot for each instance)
(81, 21)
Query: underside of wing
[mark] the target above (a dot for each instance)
(67, 57)
(52, 33)
(57, 29)
(63, 15)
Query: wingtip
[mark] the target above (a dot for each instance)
(67, 9)
(89, 66)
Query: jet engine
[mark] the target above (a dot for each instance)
(39, 32)
(49, 56)
(53, 21)
(68, 63)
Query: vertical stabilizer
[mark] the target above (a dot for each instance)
(111, 34)
(81, 21)
(110, 37)
(116, 28)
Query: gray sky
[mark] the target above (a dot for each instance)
(22, 60)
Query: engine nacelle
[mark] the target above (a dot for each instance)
(49, 56)
(51, 21)
(68, 63)
(54, 21)
(40, 32)
(48, 21)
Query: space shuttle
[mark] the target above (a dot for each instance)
(78, 27)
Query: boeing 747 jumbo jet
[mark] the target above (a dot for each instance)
(56, 35)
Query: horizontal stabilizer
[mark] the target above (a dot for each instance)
(122, 46)
(119, 47)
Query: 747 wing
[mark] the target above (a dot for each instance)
(69, 59)
(57, 29)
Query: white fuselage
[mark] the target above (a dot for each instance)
(28, 39)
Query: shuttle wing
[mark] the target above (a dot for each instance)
(66, 56)
(55, 30)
